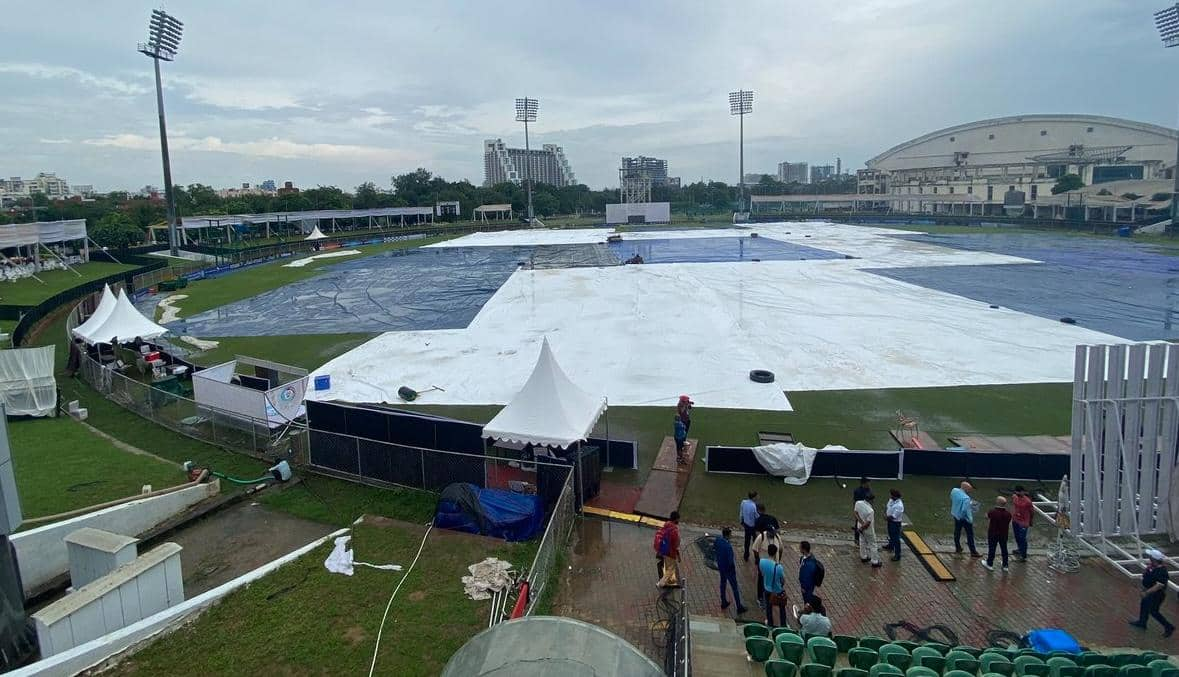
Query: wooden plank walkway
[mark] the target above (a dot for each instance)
(1030, 444)
(667, 480)
(924, 441)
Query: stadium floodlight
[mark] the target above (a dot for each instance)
(526, 112)
(741, 104)
(1167, 21)
(164, 32)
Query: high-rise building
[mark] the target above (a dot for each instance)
(547, 165)
(793, 172)
(643, 167)
(821, 173)
(268, 186)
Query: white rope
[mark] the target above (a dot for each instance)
(388, 606)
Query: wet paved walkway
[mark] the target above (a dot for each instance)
(610, 581)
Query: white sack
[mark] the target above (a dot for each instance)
(791, 462)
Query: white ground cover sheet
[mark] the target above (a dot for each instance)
(646, 334)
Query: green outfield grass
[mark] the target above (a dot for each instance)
(30, 292)
(303, 350)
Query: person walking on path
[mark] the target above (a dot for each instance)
(667, 546)
(683, 411)
(865, 525)
(810, 573)
(860, 493)
(962, 510)
(1154, 591)
(1021, 520)
(761, 545)
(998, 523)
(726, 566)
(893, 513)
(749, 520)
(774, 590)
(681, 439)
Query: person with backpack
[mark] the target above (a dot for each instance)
(726, 566)
(667, 547)
(681, 439)
(774, 586)
(811, 573)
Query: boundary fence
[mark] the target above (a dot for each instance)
(677, 656)
(546, 565)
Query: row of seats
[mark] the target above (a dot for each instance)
(875, 656)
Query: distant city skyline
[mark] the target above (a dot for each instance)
(78, 100)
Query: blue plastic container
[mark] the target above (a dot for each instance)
(323, 382)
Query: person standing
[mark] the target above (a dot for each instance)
(962, 510)
(861, 493)
(681, 438)
(767, 541)
(749, 520)
(683, 411)
(998, 526)
(726, 566)
(667, 546)
(1154, 591)
(865, 525)
(810, 573)
(765, 520)
(1021, 520)
(774, 590)
(893, 513)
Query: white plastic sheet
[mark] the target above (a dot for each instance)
(791, 462)
(490, 575)
(27, 385)
(45, 232)
(341, 560)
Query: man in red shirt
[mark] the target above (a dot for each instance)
(1021, 520)
(997, 529)
(670, 555)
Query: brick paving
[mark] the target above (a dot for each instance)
(610, 581)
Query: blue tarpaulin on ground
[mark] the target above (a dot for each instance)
(490, 512)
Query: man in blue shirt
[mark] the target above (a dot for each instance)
(726, 566)
(808, 566)
(962, 510)
(774, 582)
(749, 520)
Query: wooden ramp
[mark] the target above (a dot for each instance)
(1029, 444)
(667, 480)
(923, 441)
(928, 558)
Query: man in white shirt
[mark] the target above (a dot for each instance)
(866, 527)
(761, 546)
(893, 512)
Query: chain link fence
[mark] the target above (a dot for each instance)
(155, 277)
(543, 574)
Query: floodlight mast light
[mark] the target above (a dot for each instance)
(164, 33)
(741, 104)
(1167, 21)
(526, 112)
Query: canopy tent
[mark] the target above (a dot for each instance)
(481, 212)
(550, 410)
(41, 232)
(316, 234)
(124, 322)
(27, 386)
(105, 305)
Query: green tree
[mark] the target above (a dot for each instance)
(1066, 183)
(116, 230)
(366, 196)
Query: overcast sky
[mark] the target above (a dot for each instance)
(338, 93)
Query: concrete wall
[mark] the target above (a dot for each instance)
(141, 588)
(42, 555)
(81, 657)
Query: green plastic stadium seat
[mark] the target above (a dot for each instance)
(943, 649)
(1161, 667)
(1132, 671)
(1121, 659)
(961, 661)
(1101, 670)
(779, 668)
(851, 672)
(822, 650)
(919, 671)
(974, 652)
(790, 648)
(1059, 666)
(956, 673)
(908, 646)
(845, 642)
(755, 630)
(816, 670)
(759, 648)
(896, 655)
(873, 643)
(881, 669)
(862, 658)
(1030, 665)
(994, 662)
(1087, 658)
(781, 631)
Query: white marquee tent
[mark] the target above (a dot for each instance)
(42, 232)
(124, 322)
(316, 234)
(27, 386)
(105, 305)
(549, 410)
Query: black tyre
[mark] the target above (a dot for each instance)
(761, 376)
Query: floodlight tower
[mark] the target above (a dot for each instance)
(1167, 21)
(163, 41)
(526, 112)
(741, 104)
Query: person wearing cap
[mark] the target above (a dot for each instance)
(683, 411)
(998, 525)
(1154, 591)
(962, 510)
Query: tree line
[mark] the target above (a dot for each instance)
(119, 219)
